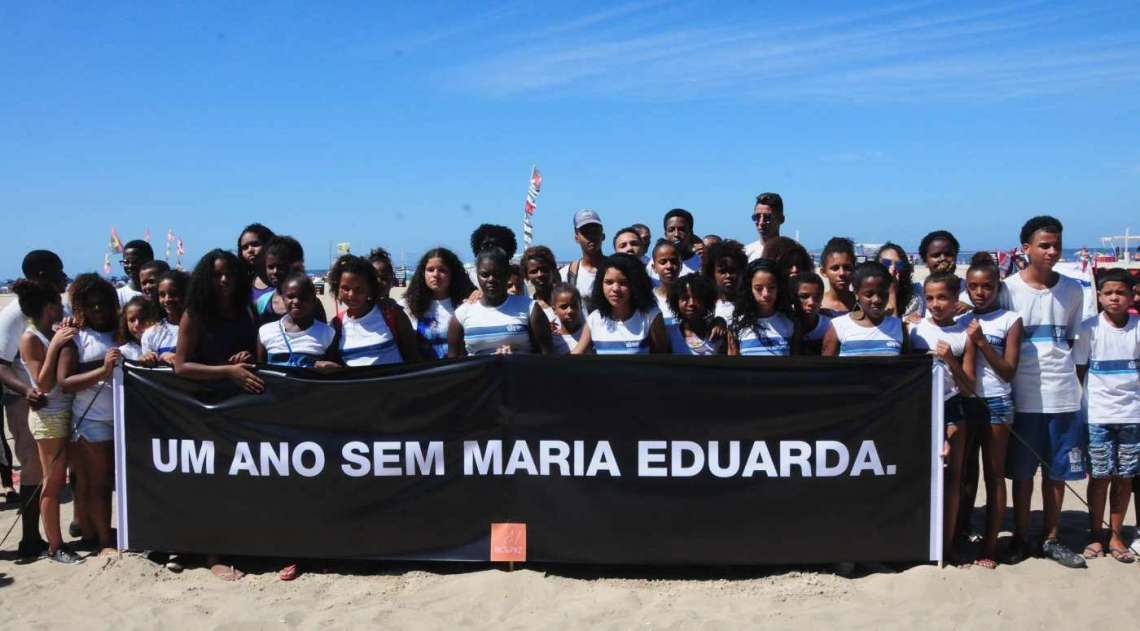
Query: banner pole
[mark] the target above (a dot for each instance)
(937, 481)
(123, 531)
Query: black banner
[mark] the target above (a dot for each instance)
(633, 460)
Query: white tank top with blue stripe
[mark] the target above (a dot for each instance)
(295, 348)
(884, 340)
(628, 337)
(672, 327)
(96, 403)
(367, 341)
(486, 329)
(160, 338)
(770, 336)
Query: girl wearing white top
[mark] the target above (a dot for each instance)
(939, 335)
(85, 369)
(438, 285)
(137, 316)
(700, 331)
(666, 264)
(298, 338)
(627, 320)
(996, 335)
(497, 323)
(161, 340)
(724, 265)
(868, 331)
(50, 424)
(371, 331)
(760, 320)
(806, 289)
(566, 310)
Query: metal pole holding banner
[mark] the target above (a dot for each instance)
(120, 460)
(937, 438)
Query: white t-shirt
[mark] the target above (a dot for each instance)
(160, 338)
(627, 337)
(995, 326)
(754, 250)
(771, 336)
(1046, 379)
(925, 336)
(13, 323)
(584, 281)
(132, 351)
(725, 309)
(367, 340)
(432, 327)
(295, 348)
(691, 265)
(855, 340)
(1113, 358)
(486, 329)
(97, 401)
(125, 293)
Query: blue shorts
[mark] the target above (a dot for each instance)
(1057, 438)
(93, 431)
(1114, 450)
(1000, 409)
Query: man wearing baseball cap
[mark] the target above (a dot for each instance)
(45, 267)
(589, 235)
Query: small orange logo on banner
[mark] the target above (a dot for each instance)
(508, 542)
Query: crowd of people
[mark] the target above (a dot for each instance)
(1016, 350)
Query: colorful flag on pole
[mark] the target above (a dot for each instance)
(528, 208)
(181, 250)
(169, 242)
(344, 247)
(107, 263)
(116, 245)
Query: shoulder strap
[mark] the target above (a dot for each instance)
(572, 273)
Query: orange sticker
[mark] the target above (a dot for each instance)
(508, 542)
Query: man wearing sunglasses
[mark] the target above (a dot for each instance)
(767, 216)
(135, 254)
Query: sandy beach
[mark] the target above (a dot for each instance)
(130, 592)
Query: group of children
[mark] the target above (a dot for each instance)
(1014, 351)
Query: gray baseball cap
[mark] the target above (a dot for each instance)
(585, 217)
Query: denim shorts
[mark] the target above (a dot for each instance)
(1114, 449)
(1058, 438)
(93, 431)
(1000, 409)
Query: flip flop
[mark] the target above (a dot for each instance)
(289, 572)
(1093, 553)
(226, 572)
(1124, 555)
(988, 564)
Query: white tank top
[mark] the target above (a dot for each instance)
(97, 402)
(367, 341)
(486, 329)
(160, 338)
(771, 336)
(672, 327)
(884, 340)
(295, 348)
(725, 309)
(57, 401)
(995, 326)
(628, 337)
(925, 336)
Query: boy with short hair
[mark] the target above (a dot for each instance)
(1107, 351)
(588, 234)
(1047, 396)
(136, 253)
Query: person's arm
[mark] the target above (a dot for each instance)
(658, 337)
(321, 313)
(406, 338)
(1082, 374)
(456, 347)
(1004, 365)
(968, 368)
(540, 337)
(830, 345)
(946, 354)
(242, 374)
(72, 381)
(893, 295)
(583, 345)
(32, 353)
(729, 343)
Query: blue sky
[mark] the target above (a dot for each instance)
(406, 127)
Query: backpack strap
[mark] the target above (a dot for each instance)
(572, 273)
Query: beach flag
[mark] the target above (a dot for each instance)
(181, 250)
(169, 242)
(107, 263)
(146, 235)
(528, 208)
(342, 248)
(116, 244)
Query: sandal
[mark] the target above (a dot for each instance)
(174, 564)
(1094, 550)
(986, 563)
(1124, 555)
(289, 572)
